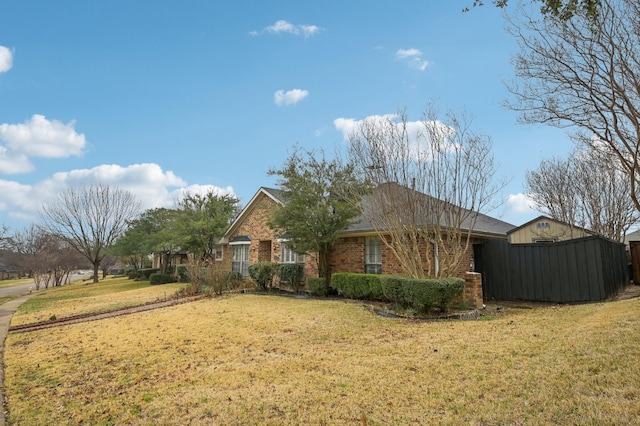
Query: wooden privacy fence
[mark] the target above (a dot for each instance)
(580, 270)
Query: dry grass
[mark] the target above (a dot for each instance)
(269, 360)
(85, 297)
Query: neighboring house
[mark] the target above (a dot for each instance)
(169, 260)
(544, 229)
(8, 272)
(632, 236)
(358, 248)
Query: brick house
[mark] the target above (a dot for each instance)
(249, 239)
(358, 248)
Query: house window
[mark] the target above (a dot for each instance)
(218, 252)
(372, 255)
(240, 260)
(288, 256)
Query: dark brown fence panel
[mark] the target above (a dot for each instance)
(580, 270)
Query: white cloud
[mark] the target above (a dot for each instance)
(349, 125)
(413, 57)
(6, 59)
(39, 137)
(518, 204)
(290, 97)
(283, 26)
(417, 133)
(11, 162)
(408, 53)
(153, 186)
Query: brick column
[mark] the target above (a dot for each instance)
(472, 293)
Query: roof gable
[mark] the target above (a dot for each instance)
(547, 218)
(271, 193)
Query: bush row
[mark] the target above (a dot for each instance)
(418, 294)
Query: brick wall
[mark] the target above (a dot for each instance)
(264, 245)
(472, 293)
(348, 256)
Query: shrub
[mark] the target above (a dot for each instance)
(291, 273)
(158, 278)
(406, 293)
(421, 295)
(206, 278)
(146, 273)
(358, 286)
(133, 274)
(235, 276)
(262, 273)
(393, 289)
(182, 274)
(452, 288)
(217, 279)
(339, 282)
(317, 286)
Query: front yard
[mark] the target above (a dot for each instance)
(247, 359)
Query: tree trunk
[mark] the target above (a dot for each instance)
(323, 263)
(96, 266)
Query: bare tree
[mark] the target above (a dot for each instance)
(587, 190)
(107, 263)
(431, 180)
(4, 231)
(584, 73)
(46, 258)
(90, 219)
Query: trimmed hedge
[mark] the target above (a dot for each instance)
(418, 294)
(358, 286)
(317, 286)
(158, 278)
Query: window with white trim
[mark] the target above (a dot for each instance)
(288, 256)
(240, 260)
(372, 255)
(217, 252)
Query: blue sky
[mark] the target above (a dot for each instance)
(161, 97)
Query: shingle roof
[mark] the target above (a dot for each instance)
(483, 224)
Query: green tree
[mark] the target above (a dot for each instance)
(317, 206)
(561, 9)
(152, 232)
(202, 220)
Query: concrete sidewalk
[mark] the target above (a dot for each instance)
(6, 312)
